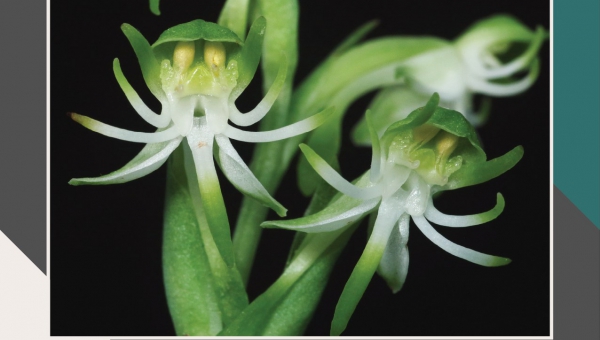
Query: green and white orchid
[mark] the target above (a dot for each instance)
(434, 149)
(198, 93)
(483, 60)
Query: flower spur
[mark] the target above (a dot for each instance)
(198, 93)
(434, 149)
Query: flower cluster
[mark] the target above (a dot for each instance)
(432, 150)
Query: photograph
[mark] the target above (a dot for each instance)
(262, 168)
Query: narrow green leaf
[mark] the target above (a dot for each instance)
(234, 16)
(189, 285)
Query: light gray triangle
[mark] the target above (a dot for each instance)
(576, 272)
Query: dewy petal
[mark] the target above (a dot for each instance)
(149, 159)
(242, 178)
(126, 135)
(291, 130)
(246, 119)
(457, 250)
(504, 90)
(159, 121)
(335, 180)
(329, 219)
(393, 266)
(435, 216)
(387, 216)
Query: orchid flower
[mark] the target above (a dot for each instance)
(483, 60)
(434, 149)
(197, 70)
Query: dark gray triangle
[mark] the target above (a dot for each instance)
(576, 272)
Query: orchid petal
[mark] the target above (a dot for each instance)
(517, 64)
(159, 121)
(393, 266)
(334, 217)
(335, 180)
(126, 135)
(291, 130)
(387, 216)
(242, 178)
(435, 216)
(505, 90)
(246, 119)
(458, 250)
(149, 159)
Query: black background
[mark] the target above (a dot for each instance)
(105, 250)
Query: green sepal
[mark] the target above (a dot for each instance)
(249, 56)
(469, 148)
(196, 30)
(497, 28)
(390, 105)
(475, 173)
(148, 63)
(418, 117)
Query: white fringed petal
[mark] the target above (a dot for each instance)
(246, 119)
(435, 216)
(148, 160)
(336, 180)
(126, 135)
(291, 130)
(238, 173)
(159, 121)
(458, 250)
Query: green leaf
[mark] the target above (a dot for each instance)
(195, 30)
(288, 304)
(192, 301)
(475, 173)
(154, 7)
(150, 66)
(149, 159)
(234, 16)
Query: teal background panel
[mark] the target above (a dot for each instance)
(576, 103)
